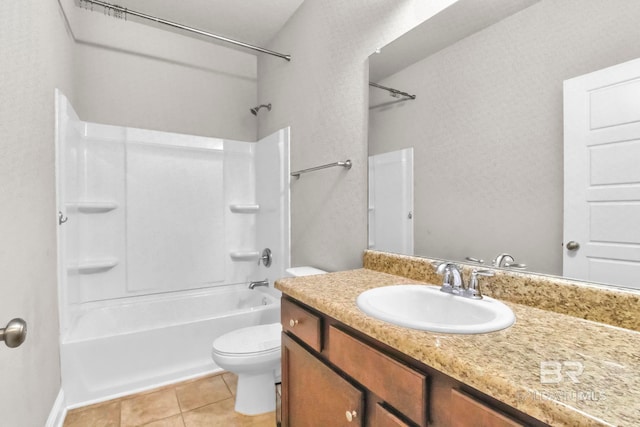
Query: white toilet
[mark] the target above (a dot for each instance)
(253, 353)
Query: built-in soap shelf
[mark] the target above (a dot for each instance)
(240, 256)
(92, 266)
(244, 208)
(93, 206)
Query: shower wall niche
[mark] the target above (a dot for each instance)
(144, 213)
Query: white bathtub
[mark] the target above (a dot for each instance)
(136, 345)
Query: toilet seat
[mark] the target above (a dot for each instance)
(249, 341)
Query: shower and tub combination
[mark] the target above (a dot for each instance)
(159, 236)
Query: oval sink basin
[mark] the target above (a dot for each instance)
(426, 308)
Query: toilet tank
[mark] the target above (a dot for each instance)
(304, 271)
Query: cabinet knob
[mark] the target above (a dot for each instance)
(293, 322)
(351, 415)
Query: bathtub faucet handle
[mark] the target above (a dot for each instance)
(264, 282)
(266, 258)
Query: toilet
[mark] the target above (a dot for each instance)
(253, 353)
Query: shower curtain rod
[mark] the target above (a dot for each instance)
(184, 27)
(392, 90)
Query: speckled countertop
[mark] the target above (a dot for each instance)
(505, 364)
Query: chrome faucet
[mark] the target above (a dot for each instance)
(506, 260)
(452, 282)
(502, 260)
(264, 282)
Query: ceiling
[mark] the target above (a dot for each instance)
(250, 21)
(460, 20)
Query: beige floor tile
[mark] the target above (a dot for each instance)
(202, 392)
(175, 421)
(231, 380)
(264, 420)
(222, 414)
(100, 415)
(143, 409)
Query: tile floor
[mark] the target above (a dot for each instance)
(206, 401)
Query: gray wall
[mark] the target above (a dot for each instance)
(322, 94)
(130, 74)
(36, 58)
(487, 128)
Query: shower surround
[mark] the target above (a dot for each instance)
(159, 235)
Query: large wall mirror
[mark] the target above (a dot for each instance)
(486, 128)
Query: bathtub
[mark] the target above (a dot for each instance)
(110, 351)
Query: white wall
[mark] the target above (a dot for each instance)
(487, 128)
(322, 95)
(36, 58)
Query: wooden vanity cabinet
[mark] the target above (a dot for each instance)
(313, 395)
(333, 375)
(381, 417)
(396, 384)
(471, 412)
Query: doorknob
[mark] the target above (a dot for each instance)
(15, 333)
(573, 246)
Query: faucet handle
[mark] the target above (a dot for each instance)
(473, 290)
(266, 258)
(515, 265)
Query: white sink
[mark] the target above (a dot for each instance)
(426, 308)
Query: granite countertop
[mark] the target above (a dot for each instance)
(505, 364)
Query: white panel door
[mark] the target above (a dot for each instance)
(391, 202)
(602, 176)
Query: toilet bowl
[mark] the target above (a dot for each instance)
(253, 353)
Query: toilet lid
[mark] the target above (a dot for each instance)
(253, 339)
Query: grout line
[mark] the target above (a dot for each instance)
(228, 386)
(175, 391)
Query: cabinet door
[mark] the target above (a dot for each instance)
(313, 395)
(383, 418)
(467, 411)
(400, 386)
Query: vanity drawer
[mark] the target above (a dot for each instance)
(398, 385)
(300, 322)
(468, 411)
(384, 418)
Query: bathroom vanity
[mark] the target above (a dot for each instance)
(342, 367)
(334, 375)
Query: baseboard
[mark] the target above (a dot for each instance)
(58, 412)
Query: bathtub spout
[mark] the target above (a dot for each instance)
(264, 282)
